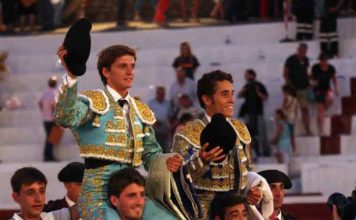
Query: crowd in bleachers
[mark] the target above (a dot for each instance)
(34, 15)
(46, 15)
(305, 84)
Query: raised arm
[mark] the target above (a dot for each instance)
(69, 111)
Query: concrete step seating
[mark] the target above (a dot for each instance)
(250, 42)
(22, 134)
(29, 87)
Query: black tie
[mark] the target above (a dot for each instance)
(122, 102)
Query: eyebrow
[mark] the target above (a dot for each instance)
(226, 90)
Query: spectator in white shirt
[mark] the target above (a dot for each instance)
(160, 106)
(46, 105)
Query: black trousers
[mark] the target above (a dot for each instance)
(329, 42)
(8, 9)
(235, 10)
(48, 148)
(121, 11)
(46, 14)
(305, 19)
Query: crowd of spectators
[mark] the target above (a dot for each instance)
(45, 15)
(38, 15)
(304, 86)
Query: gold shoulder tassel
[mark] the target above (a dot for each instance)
(96, 121)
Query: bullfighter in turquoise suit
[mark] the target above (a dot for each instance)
(111, 136)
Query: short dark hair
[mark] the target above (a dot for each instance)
(207, 84)
(251, 72)
(281, 113)
(289, 89)
(162, 88)
(108, 56)
(222, 201)
(303, 45)
(26, 176)
(119, 180)
(323, 56)
(52, 82)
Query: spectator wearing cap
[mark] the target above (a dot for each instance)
(278, 182)
(71, 176)
(46, 105)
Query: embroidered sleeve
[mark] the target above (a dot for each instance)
(69, 111)
(190, 155)
(151, 147)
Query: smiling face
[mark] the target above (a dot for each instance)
(31, 199)
(222, 101)
(236, 212)
(130, 203)
(121, 74)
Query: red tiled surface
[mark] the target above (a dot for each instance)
(308, 211)
(330, 145)
(353, 86)
(340, 124)
(349, 105)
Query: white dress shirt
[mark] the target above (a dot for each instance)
(69, 201)
(62, 214)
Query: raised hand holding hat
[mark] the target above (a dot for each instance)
(77, 44)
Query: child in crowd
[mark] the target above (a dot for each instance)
(282, 138)
(290, 108)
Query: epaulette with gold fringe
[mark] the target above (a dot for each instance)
(241, 131)
(191, 132)
(144, 112)
(98, 101)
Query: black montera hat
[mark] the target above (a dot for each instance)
(219, 132)
(78, 43)
(275, 176)
(72, 172)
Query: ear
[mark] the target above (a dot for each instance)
(106, 72)
(67, 185)
(15, 197)
(114, 200)
(207, 100)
